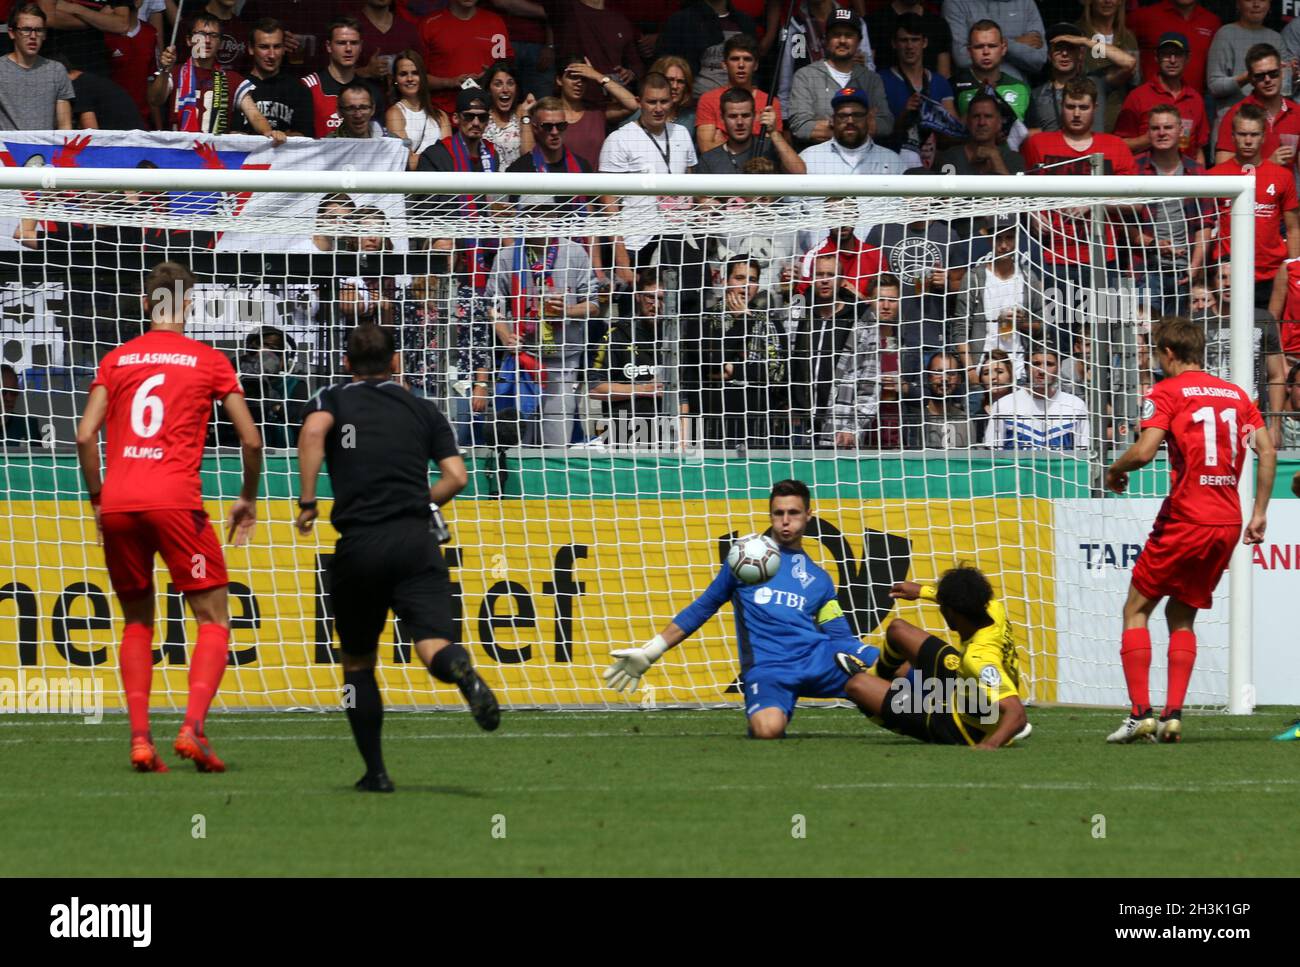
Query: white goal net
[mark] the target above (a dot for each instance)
(948, 363)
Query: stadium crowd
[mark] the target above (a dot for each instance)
(928, 334)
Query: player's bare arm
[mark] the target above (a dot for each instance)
(311, 455)
(1265, 474)
(1137, 456)
(452, 481)
(1011, 719)
(243, 515)
(92, 419)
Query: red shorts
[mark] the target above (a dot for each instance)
(1185, 561)
(184, 538)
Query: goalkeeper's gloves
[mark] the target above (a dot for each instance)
(633, 663)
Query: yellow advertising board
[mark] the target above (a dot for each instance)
(544, 590)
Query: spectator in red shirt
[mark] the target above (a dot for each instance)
(459, 44)
(131, 59)
(603, 36)
(1282, 116)
(1166, 88)
(343, 47)
(233, 52)
(1067, 236)
(1186, 17)
(1275, 204)
(740, 57)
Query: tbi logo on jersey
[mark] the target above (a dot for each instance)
(766, 595)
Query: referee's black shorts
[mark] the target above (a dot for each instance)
(902, 711)
(397, 566)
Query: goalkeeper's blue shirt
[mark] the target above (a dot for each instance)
(782, 623)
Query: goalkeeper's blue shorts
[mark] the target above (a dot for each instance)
(781, 686)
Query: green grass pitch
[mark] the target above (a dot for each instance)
(664, 792)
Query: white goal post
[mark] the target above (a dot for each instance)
(618, 538)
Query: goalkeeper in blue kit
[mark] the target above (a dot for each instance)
(789, 628)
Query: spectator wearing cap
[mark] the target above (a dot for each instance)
(466, 150)
(850, 150)
(915, 91)
(1186, 17)
(35, 93)
(1283, 115)
(1229, 76)
(987, 75)
(460, 43)
(983, 153)
(737, 107)
(806, 36)
(1019, 20)
(1111, 58)
(815, 85)
(1166, 88)
(740, 56)
(1065, 60)
(938, 46)
(697, 33)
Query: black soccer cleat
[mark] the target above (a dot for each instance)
(375, 782)
(482, 703)
(851, 664)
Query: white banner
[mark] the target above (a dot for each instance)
(171, 150)
(1095, 552)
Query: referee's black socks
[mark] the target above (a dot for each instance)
(450, 663)
(365, 711)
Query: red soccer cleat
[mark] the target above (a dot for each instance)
(144, 757)
(190, 745)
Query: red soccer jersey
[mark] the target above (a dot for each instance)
(708, 110)
(1285, 121)
(1148, 23)
(1275, 193)
(453, 47)
(131, 60)
(160, 391)
(1132, 120)
(1208, 424)
(1289, 327)
(1068, 239)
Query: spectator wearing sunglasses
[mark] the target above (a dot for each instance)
(549, 153)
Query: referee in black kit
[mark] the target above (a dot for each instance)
(379, 439)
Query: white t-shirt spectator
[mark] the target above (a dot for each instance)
(633, 150)
(1024, 421)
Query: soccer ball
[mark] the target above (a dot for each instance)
(754, 559)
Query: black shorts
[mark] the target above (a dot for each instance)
(936, 659)
(395, 566)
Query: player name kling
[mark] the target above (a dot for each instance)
(143, 453)
(102, 921)
(158, 359)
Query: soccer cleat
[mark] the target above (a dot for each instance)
(144, 757)
(1291, 733)
(1024, 733)
(190, 745)
(1140, 728)
(1170, 728)
(851, 664)
(482, 703)
(375, 782)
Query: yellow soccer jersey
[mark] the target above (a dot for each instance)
(989, 657)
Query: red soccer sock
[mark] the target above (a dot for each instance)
(135, 660)
(207, 665)
(1135, 654)
(1182, 656)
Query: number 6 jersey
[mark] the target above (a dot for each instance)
(1208, 424)
(160, 391)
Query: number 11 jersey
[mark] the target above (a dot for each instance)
(160, 391)
(1209, 423)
